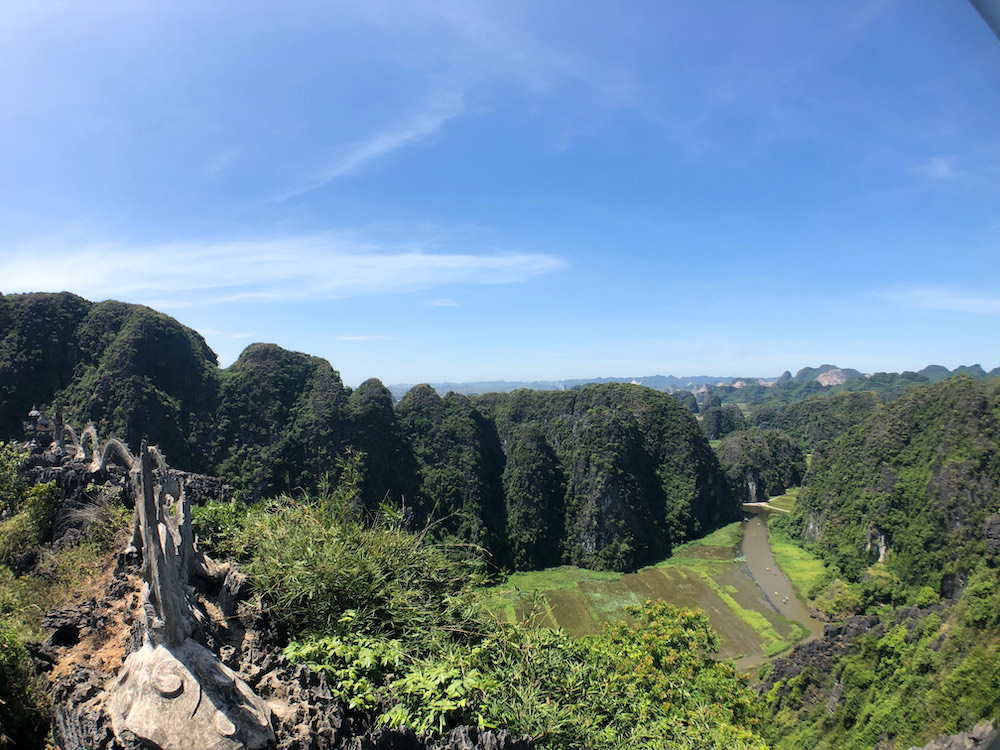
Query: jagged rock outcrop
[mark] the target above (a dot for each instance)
(818, 655)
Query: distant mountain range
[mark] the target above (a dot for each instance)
(826, 375)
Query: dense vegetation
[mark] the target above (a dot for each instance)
(607, 476)
(912, 486)
(627, 466)
(819, 418)
(128, 369)
(900, 506)
(719, 420)
(916, 674)
(761, 463)
(399, 630)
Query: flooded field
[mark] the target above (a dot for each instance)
(730, 574)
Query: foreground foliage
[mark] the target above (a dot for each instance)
(917, 674)
(396, 625)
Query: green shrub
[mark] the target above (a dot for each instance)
(356, 666)
(838, 601)
(11, 482)
(927, 597)
(23, 704)
(647, 683)
(32, 525)
(314, 567)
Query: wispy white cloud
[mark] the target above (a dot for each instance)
(322, 266)
(939, 168)
(431, 118)
(442, 302)
(219, 163)
(946, 299)
(502, 44)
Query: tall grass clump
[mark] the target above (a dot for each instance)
(328, 567)
(315, 569)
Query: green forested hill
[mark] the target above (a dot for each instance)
(819, 418)
(606, 476)
(38, 351)
(761, 463)
(130, 370)
(905, 508)
(913, 485)
(460, 463)
(627, 468)
(282, 419)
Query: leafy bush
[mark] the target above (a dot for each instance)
(927, 597)
(647, 683)
(32, 525)
(11, 482)
(23, 722)
(838, 600)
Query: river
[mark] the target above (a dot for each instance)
(759, 565)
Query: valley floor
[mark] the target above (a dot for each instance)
(731, 574)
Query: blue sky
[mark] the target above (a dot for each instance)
(428, 191)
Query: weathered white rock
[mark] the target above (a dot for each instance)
(184, 698)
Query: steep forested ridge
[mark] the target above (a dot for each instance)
(819, 418)
(38, 351)
(460, 465)
(627, 467)
(761, 463)
(912, 485)
(904, 506)
(281, 419)
(127, 368)
(606, 476)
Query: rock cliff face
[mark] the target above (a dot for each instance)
(627, 468)
(838, 376)
(982, 737)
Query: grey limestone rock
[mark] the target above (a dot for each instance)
(183, 697)
(991, 531)
(984, 736)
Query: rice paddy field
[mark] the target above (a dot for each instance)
(731, 574)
